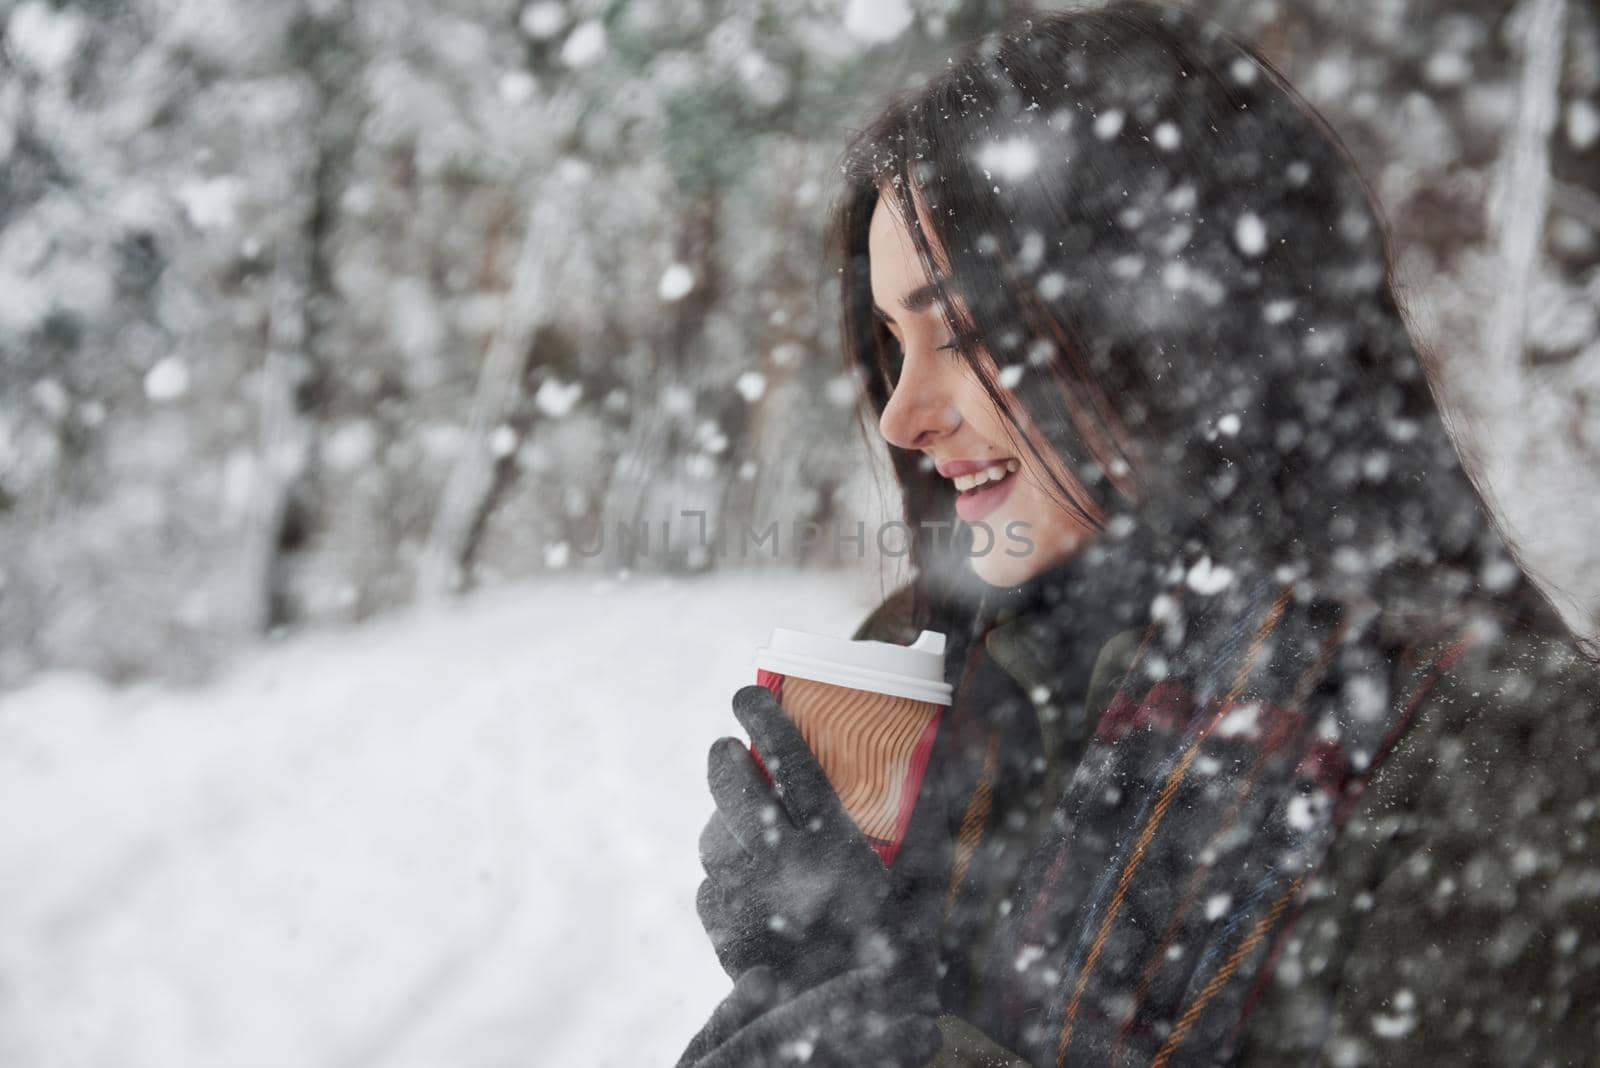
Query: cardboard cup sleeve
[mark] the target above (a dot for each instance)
(870, 712)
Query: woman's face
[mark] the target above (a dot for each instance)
(940, 408)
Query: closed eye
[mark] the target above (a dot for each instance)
(961, 342)
(897, 353)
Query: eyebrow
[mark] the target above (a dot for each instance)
(919, 299)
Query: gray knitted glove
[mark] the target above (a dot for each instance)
(791, 883)
(853, 1020)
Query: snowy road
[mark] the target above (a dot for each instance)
(464, 836)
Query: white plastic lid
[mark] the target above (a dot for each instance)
(915, 671)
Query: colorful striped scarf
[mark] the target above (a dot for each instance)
(1117, 887)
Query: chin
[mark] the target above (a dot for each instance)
(998, 569)
(1043, 550)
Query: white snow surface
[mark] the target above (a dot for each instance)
(462, 835)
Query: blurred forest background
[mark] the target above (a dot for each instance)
(313, 308)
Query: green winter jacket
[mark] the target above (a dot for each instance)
(1456, 919)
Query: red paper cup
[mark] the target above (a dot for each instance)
(870, 712)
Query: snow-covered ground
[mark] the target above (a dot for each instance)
(461, 836)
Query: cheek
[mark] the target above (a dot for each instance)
(969, 396)
(1030, 505)
(1034, 506)
(977, 412)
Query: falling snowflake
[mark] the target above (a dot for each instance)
(841, 391)
(798, 1050)
(751, 385)
(677, 281)
(1241, 720)
(1127, 267)
(1448, 69)
(503, 442)
(1583, 124)
(1028, 957)
(517, 87)
(1012, 158)
(543, 20)
(556, 399)
(167, 380)
(1396, 1025)
(45, 38)
(875, 21)
(1206, 578)
(711, 438)
(1250, 234)
(211, 203)
(584, 45)
(1031, 252)
(1303, 812)
(1278, 311)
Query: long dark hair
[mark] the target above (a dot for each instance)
(1143, 217)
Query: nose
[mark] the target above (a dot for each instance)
(922, 408)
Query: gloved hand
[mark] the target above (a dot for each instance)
(791, 883)
(849, 1021)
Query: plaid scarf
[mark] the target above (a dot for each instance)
(1116, 888)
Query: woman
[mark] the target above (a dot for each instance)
(1267, 750)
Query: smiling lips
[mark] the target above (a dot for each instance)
(969, 473)
(993, 473)
(980, 484)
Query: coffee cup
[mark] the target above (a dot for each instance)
(870, 711)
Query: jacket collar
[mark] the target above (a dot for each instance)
(1021, 654)
(1047, 634)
